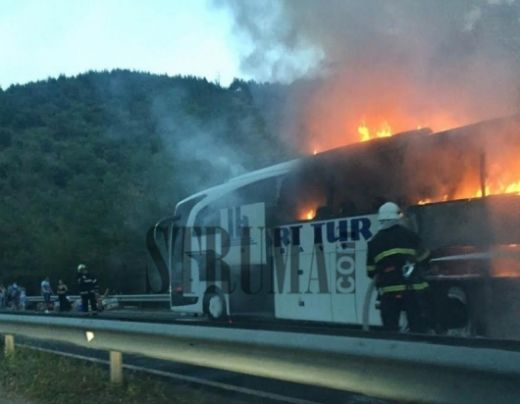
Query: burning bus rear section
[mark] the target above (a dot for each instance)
(298, 231)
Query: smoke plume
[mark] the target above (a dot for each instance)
(402, 63)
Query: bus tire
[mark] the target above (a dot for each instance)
(215, 306)
(465, 322)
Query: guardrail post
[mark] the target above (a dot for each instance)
(9, 345)
(116, 367)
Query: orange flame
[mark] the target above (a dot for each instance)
(506, 266)
(513, 188)
(467, 192)
(364, 132)
(384, 130)
(501, 178)
(307, 214)
(496, 182)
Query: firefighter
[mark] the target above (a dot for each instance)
(87, 289)
(393, 259)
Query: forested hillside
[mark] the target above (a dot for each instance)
(88, 163)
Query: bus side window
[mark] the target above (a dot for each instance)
(260, 191)
(265, 191)
(347, 208)
(301, 194)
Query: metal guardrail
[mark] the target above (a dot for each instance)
(396, 369)
(142, 298)
(157, 297)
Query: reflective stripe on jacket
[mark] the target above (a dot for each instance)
(402, 288)
(388, 251)
(87, 284)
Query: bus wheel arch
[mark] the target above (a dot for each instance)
(214, 304)
(465, 321)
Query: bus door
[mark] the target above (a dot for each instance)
(164, 242)
(197, 252)
(246, 258)
(159, 240)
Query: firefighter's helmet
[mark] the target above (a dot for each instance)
(81, 267)
(389, 211)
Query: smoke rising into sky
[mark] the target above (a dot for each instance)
(399, 63)
(405, 63)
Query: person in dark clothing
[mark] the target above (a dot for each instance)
(62, 291)
(88, 287)
(14, 293)
(393, 258)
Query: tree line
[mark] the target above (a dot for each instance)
(89, 163)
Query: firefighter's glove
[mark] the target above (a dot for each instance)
(408, 269)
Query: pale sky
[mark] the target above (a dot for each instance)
(46, 38)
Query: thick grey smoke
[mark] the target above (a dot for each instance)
(406, 62)
(202, 155)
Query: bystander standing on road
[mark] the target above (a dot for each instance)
(2, 296)
(23, 299)
(13, 296)
(46, 293)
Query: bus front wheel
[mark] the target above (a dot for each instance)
(215, 306)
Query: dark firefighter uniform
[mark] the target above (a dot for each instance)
(390, 253)
(88, 287)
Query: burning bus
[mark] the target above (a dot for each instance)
(290, 241)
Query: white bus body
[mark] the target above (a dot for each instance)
(309, 221)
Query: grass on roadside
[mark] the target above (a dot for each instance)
(47, 378)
